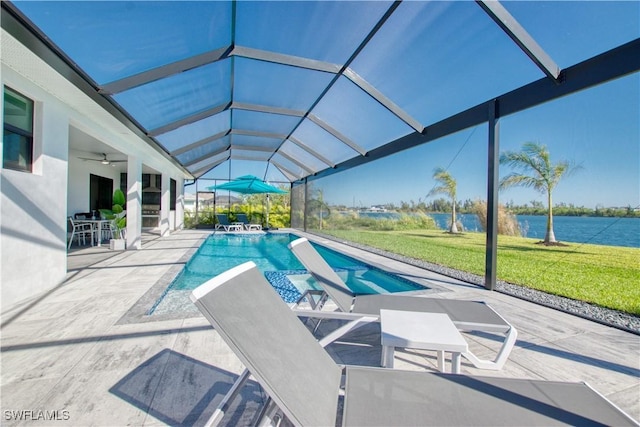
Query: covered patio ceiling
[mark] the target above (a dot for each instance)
(305, 89)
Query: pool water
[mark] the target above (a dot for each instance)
(286, 274)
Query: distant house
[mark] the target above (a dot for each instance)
(206, 200)
(375, 209)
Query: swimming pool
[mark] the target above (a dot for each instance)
(269, 251)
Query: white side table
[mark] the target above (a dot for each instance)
(426, 331)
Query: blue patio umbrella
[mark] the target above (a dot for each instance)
(249, 184)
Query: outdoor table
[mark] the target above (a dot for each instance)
(96, 228)
(426, 331)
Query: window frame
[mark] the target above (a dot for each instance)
(29, 136)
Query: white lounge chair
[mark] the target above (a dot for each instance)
(304, 383)
(223, 222)
(466, 315)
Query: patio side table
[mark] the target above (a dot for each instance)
(426, 331)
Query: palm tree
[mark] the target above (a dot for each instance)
(538, 173)
(447, 186)
(318, 205)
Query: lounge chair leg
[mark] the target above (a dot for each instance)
(271, 415)
(218, 414)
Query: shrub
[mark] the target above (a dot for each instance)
(507, 222)
(351, 221)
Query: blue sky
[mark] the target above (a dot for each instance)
(598, 129)
(432, 59)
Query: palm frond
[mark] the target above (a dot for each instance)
(448, 184)
(521, 180)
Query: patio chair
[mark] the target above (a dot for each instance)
(466, 315)
(246, 223)
(78, 231)
(223, 223)
(303, 382)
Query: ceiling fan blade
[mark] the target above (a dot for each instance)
(85, 158)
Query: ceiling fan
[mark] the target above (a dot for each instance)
(104, 160)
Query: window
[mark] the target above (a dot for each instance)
(18, 131)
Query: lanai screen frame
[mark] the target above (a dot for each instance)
(611, 65)
(615, 63)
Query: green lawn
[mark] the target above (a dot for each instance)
(603, 275)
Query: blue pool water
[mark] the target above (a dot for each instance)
(221, 252)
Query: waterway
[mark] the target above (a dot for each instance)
(577, 229)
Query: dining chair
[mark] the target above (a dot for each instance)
(78, 231)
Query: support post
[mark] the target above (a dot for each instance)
(306, 197)
(197, 219)
(165, 200)
(134, 203)
(492, 196)
(179, 204)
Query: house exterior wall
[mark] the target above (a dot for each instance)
(33, 205)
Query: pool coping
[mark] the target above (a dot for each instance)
(138, 311)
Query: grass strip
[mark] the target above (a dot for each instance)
(603, 275)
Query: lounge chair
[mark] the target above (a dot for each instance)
(466, 315)
(304, 383)
(223, 222)
(242, 218)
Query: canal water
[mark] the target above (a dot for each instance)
(577, 229)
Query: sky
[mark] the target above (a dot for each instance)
(432, 59)
(597, 129)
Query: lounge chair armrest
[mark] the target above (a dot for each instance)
(501, 358)
(354, 321)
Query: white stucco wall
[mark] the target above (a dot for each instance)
(33, 205)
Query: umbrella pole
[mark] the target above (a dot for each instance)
(267, 213)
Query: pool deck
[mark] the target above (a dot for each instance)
(75, 350)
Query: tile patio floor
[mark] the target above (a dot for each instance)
(79, 351)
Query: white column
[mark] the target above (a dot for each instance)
(180, 204)
(134, 203)
(165, 199)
